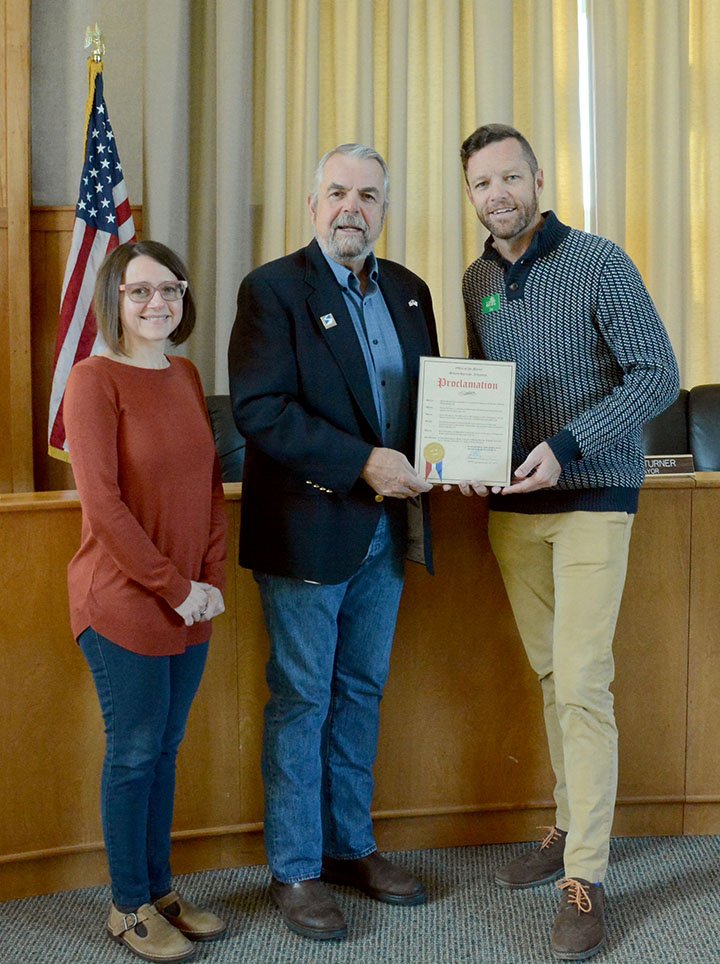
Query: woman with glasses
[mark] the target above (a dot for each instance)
(148, 577)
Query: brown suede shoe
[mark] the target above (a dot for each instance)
(539, 866)
(147, 934)
(377, 877)
(579, 930)
(309, 909)
(197, 924)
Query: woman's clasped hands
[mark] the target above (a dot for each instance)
(202, 602)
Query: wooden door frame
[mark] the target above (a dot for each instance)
(17, 365)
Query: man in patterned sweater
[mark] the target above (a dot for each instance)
(593, 364)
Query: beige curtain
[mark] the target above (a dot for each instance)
(546, 98)
(198, 157)
(702, 340)
(657, 79)
(242, 99)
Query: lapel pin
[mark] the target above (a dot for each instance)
(328, 321)
(412, 303)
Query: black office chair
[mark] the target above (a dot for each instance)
(667, 434)
(229, 442)
(704, 427)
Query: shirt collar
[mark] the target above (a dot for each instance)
(346, 278)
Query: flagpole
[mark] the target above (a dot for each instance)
(103, 220)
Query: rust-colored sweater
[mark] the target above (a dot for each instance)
(153, 514)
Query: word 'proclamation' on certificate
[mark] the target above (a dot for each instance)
(464, 420)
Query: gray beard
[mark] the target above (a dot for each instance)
(342, 248)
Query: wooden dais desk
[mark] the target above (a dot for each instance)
(462, 756)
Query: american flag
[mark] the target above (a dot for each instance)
(102, 221)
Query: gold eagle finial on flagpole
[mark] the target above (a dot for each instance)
(94, 39)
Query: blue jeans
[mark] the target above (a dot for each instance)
(145, 701)
(329, 660)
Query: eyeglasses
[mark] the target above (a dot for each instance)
(142, 291)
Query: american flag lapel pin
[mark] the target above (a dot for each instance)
(328, 321)
(412, 303)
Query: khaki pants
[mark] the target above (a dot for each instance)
(564, 574)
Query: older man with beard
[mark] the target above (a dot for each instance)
(323, 378)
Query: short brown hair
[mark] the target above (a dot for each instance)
(107, 291)
(488, 134)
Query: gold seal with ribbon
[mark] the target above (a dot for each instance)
(434, 454)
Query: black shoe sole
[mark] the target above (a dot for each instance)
(413, 900)
(316, 935)
(578, 956)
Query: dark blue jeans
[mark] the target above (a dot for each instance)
(145, 702)
(329, 659)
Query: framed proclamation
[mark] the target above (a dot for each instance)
(465, 420)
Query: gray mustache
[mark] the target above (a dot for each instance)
(349, 221)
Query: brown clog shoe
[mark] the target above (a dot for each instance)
(148, 935)
(197, 924)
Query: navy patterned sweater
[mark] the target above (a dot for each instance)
(594, 362)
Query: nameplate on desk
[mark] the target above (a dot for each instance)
(669, 465)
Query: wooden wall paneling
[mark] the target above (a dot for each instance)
(6, 471)
(240, 840)
(50, 240)
(253, 647)
(651, 646)
(49, 773)
(17, 146)
(458, 668)
(3, 109)
(702, 812)
(208, 784)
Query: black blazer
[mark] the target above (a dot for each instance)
(302, 398)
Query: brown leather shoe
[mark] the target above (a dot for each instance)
(148, 935)
(579, 929)
(197, 924)
(309, 909)
(377, 877)
(539, 866)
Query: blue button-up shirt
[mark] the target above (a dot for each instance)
(381, 350)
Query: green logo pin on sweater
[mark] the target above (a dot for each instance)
(490, 303)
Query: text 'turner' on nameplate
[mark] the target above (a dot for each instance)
(669, 465)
